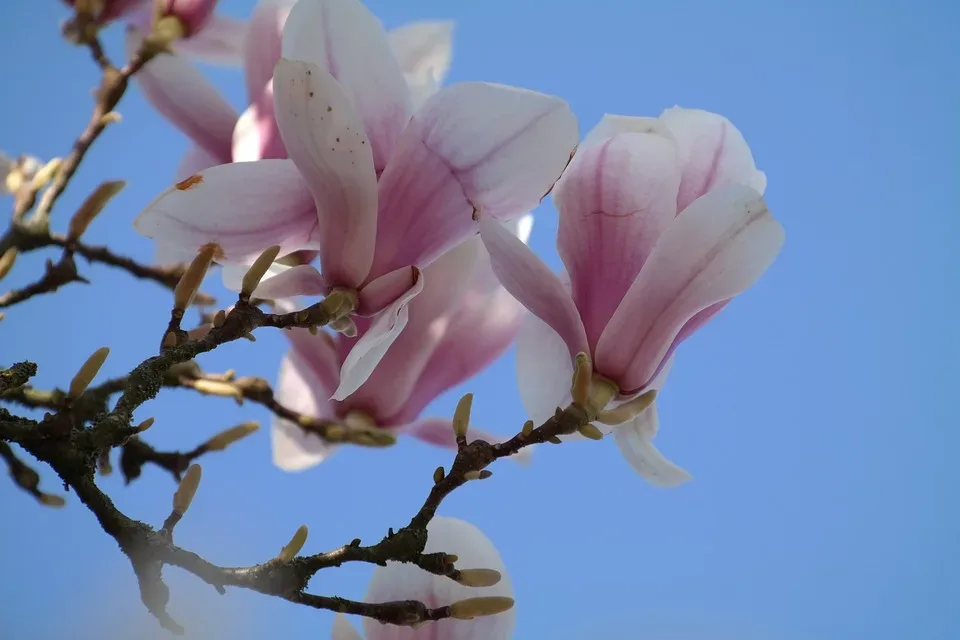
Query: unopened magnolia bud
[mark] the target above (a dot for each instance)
(190, 282)
(482, 606)
(292, 548)
(46, 173)
(6, 261)
(554, 440)
(219, 318)
(478, 577)
(146, 424)
(628, 410)
(92, 207)
(218, 388)
(461, 416)
(226, 438)
(259, 268)
(450, 558)
(583, 371)
(527, 428)
(438, 475)
(88, 371)
(187, 489)
(590, 431)
(51, 500)
(250, 337)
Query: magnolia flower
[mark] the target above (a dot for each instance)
(461, 321)
(198, 31)
(662, 222)
(380, 193)
(398, 581)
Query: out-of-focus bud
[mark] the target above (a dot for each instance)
(7, 260)
(226, 438)
(50, 500)
(478, 577)
(192, 14)
(92, 207)
(16, 173)
(483, 606)
(187, 489)
(218, 388)
(146, 424)
(104, 11)
(88, 371)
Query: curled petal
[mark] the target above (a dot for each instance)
(614, 200)
(397, 581)
(219, 41)
(301, 389)
(176, 89)
(716, 249)
(473, 147)
(381, 292)
(389, 387)
(635, 443)
(531, 282)
(324, 137)
(244, 207)
(713, 154)
(343, 38)
(369, 350)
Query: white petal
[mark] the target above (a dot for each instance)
(245, 207)
(220, 41)
(544, 369)
(398, 581)
(299, 389)
(423, 49)
(343, 630)
(635, 442)
(324, 138)
(345, 39)
(373, 345)
(176, 89)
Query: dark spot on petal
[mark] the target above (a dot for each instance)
(192, 181)
(338, 139)
(329, 109)
(311, 94)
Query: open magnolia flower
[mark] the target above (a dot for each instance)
(397, 581)
(461, 321)
(380, 193)
(662, 222)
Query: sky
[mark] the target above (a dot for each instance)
(817, 413)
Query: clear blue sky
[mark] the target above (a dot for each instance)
(818, 413)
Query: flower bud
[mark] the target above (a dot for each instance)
(218, 388)
(7, 260)
(146, 424)
(583, 371)
(590, 431)
(461, 416)
(438, 475)
(88, 371)
(478, 577)
(292, 548)
(192, 14)
(253, 276)
(527, 428)
(92, 207)
(226, 438)
(345, 325)
(483, 606)
(191, 279)
(187, 489)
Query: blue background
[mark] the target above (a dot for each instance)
(818, 413)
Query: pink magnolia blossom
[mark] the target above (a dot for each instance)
(398, 581)
(379, 190)
(461, 321)
(662, 222)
